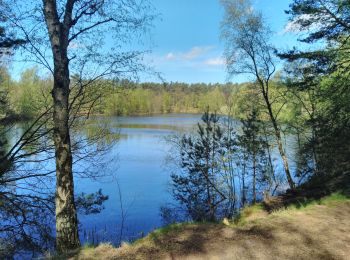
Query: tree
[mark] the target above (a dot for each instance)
(332, 18)
(198, 186)
(249, 52)
(7, 40)
(76, 33)
(253, 146)
(323, 75)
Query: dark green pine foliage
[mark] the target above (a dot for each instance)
(255, 164)
(197, 187)
(325, 72)
(325, 21)
(332, 18)
(7, 40)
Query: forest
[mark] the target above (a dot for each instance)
(28, 95)
(279, 138)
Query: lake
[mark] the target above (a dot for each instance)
(136, 176)
(137, 162)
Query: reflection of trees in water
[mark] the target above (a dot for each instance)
(25, 203)
(27, 220)
(27, 181)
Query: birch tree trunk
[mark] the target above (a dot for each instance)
(278, 139)
(66, 215)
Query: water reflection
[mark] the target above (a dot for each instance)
(137, 162)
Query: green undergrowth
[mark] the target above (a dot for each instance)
(329, 200)
(253, 213)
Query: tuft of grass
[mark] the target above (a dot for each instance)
(252, 214)
(102, 251)
(329, 200)
(334, 198)
(249, 213)
(159, 232)
(88, 246)
(307, 204)
(171, 230)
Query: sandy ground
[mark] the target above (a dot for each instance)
(321, 232)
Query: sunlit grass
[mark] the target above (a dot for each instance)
(172, 228)
(252, 214)
(330, 200)
(249, 213)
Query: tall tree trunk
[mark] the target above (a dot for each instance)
(279, 140)
(243, 198)
(273, 177)
(66, 215)
(254, 178)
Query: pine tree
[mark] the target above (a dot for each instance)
(253, 147)
(198, 186)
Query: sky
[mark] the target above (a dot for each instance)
(186, 38)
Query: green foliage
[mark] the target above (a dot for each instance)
(320, 80)
(253, 149)
(331, 16)
(5, 82)
(90, 203)
(197, 187)
(31, 95)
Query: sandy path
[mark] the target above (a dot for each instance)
(322, 232)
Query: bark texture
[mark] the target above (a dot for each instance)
(66, 216)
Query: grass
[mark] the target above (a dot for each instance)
(103, 251)
(156, 234)
(250, 213)
(299, 231)
(254, 213)
(329, 200)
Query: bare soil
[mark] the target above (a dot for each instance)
(318, 232)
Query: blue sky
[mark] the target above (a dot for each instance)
(187, 45)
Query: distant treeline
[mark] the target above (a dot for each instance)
(31, 93)
(130, 98)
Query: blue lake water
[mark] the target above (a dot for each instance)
(136, 176)
(137, 163)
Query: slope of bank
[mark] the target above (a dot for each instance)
(307, 228)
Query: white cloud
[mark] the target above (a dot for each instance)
(170, 56)
(218, 61)
(194, 53)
